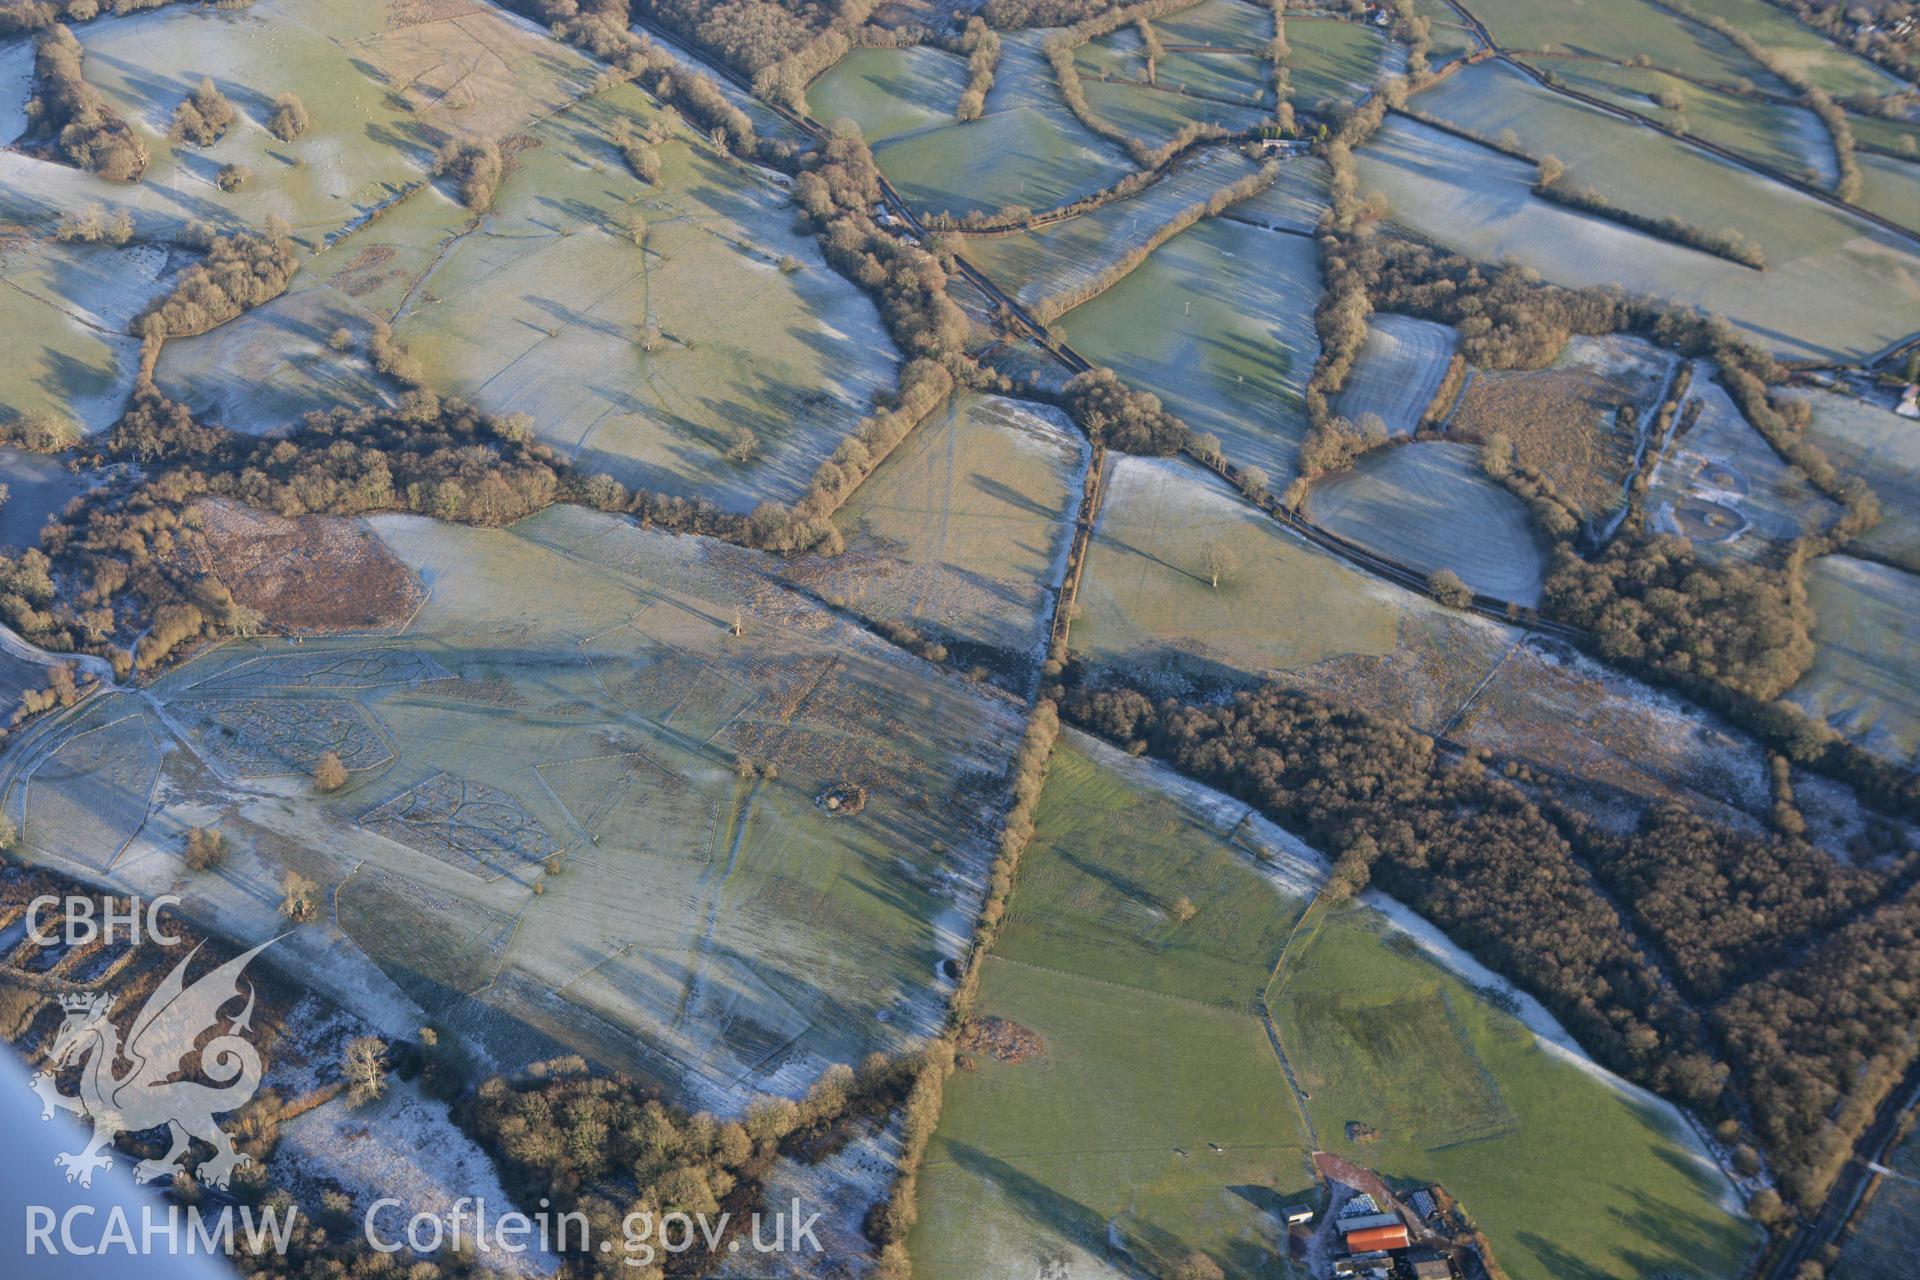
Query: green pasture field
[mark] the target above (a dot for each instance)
(1333, 61)
(1834, 287)
(1219, 24)
(1155, 115)
(1219, 322)
(381, 93)
(1635, 166)
(547, 310)
(1118, 55)
(1722, 487)
(553, 851)
(1243, 79)
(1882, 448)
(888, 92)
(1146, 606)
(1027, 149)
(67, 311)
(1430, 506)
(1865, 678)
(1151, 1050)
(1062, 257)
(1554, 1162)
(545, 306)
(1109, 1135)
(1891, 188)
(1400, 369)
(1099, 903)
(1620, 30)
(1035, 157)
(1823, 62)
(1293, 203)
(961, 531)
(1790, 139)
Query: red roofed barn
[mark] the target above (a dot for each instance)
(1377, 1238)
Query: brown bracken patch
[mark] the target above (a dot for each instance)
(308, 576)
(1001, 1040)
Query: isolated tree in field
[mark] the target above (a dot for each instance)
(642, 159)
(299, 898)
(206, 848)
(637, 230)
(1446, 587)
(203, 117)
(743, 446)
(1219, 563)
(330, 774)
(365, 1068)
(232, 177)
(289, 119)
(1183, 909)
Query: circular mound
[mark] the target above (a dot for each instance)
(1704, 521)
(1722, 476)
(843, 799)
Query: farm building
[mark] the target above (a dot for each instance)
(1426, 1264)
(1296, 1214)
(1350, 1223)
(1359, 1206)
(1371, 1239)
(1373, 1264)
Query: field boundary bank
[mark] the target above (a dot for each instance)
(1272, 1025)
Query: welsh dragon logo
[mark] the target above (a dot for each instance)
(146, 1095)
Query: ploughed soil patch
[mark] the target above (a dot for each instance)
(1001, 1040)
(306, 576)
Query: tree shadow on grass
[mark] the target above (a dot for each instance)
(1039, 1203)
